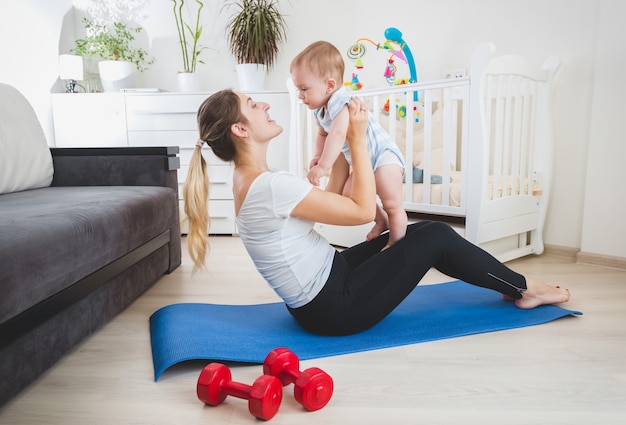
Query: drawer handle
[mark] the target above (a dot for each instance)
(218, 182)
(213, 217)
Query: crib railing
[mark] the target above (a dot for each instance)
(436, 122)
(435, 140)
(511, 102)
(516, 130)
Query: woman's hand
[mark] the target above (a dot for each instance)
(358, 122)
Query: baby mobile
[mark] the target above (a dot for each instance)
(399, 50)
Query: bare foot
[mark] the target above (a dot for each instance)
(376, 231)
(539, 293)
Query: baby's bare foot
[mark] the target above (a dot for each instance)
(539, 293)
(376, 231)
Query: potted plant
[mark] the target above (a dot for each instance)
(255, 32)
(188, 38)
(111, 45)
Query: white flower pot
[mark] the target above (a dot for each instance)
(116, 75)
(189, 82)
(251, 76)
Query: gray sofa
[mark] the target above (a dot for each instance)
(79, 249)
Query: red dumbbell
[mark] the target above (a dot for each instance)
(264, 396)
(313, 387)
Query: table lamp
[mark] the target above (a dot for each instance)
(71, 70)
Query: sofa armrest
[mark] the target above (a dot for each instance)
(124, 166)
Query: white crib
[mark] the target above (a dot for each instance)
(487, 138)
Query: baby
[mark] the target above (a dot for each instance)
(317, 72)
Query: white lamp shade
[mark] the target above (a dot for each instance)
(70, 67)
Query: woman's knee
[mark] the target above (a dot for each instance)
(434, 233)
(430, 226)
(442, 230)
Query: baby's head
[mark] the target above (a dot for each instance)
(317, 72)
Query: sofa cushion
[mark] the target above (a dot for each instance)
(52, 237)
(25, 160)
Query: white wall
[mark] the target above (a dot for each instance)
(29, 52)
(442, 35)
(604, 229)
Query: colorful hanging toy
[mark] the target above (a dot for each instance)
(399, 50)
(355, 84)
(401, 109)
(395, 45)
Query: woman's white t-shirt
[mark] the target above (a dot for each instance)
(292, 257)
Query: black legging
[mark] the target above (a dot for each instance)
(365, 284)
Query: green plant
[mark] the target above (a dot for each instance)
(190, 59)
(256, 31)
(112, 43)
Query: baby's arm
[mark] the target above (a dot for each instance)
(319, 147)
(332, 147)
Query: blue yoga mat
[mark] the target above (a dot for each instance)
(247, 333)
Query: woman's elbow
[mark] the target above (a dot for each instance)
(367, 215)
(372, 214)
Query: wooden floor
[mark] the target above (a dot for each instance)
(570, 371)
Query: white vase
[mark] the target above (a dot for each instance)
(116, 75)
(251, 76)
(189, 82)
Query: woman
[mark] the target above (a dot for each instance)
(326, 291)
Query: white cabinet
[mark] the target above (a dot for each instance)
(163, 119)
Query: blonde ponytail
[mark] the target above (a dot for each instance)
(196, 194)
(216, 115)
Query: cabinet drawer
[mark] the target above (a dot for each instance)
(220, 180)
(163, 112)
(222, 215)
(183, 139)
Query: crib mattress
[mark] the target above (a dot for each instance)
(511, 187)
(437, 191)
